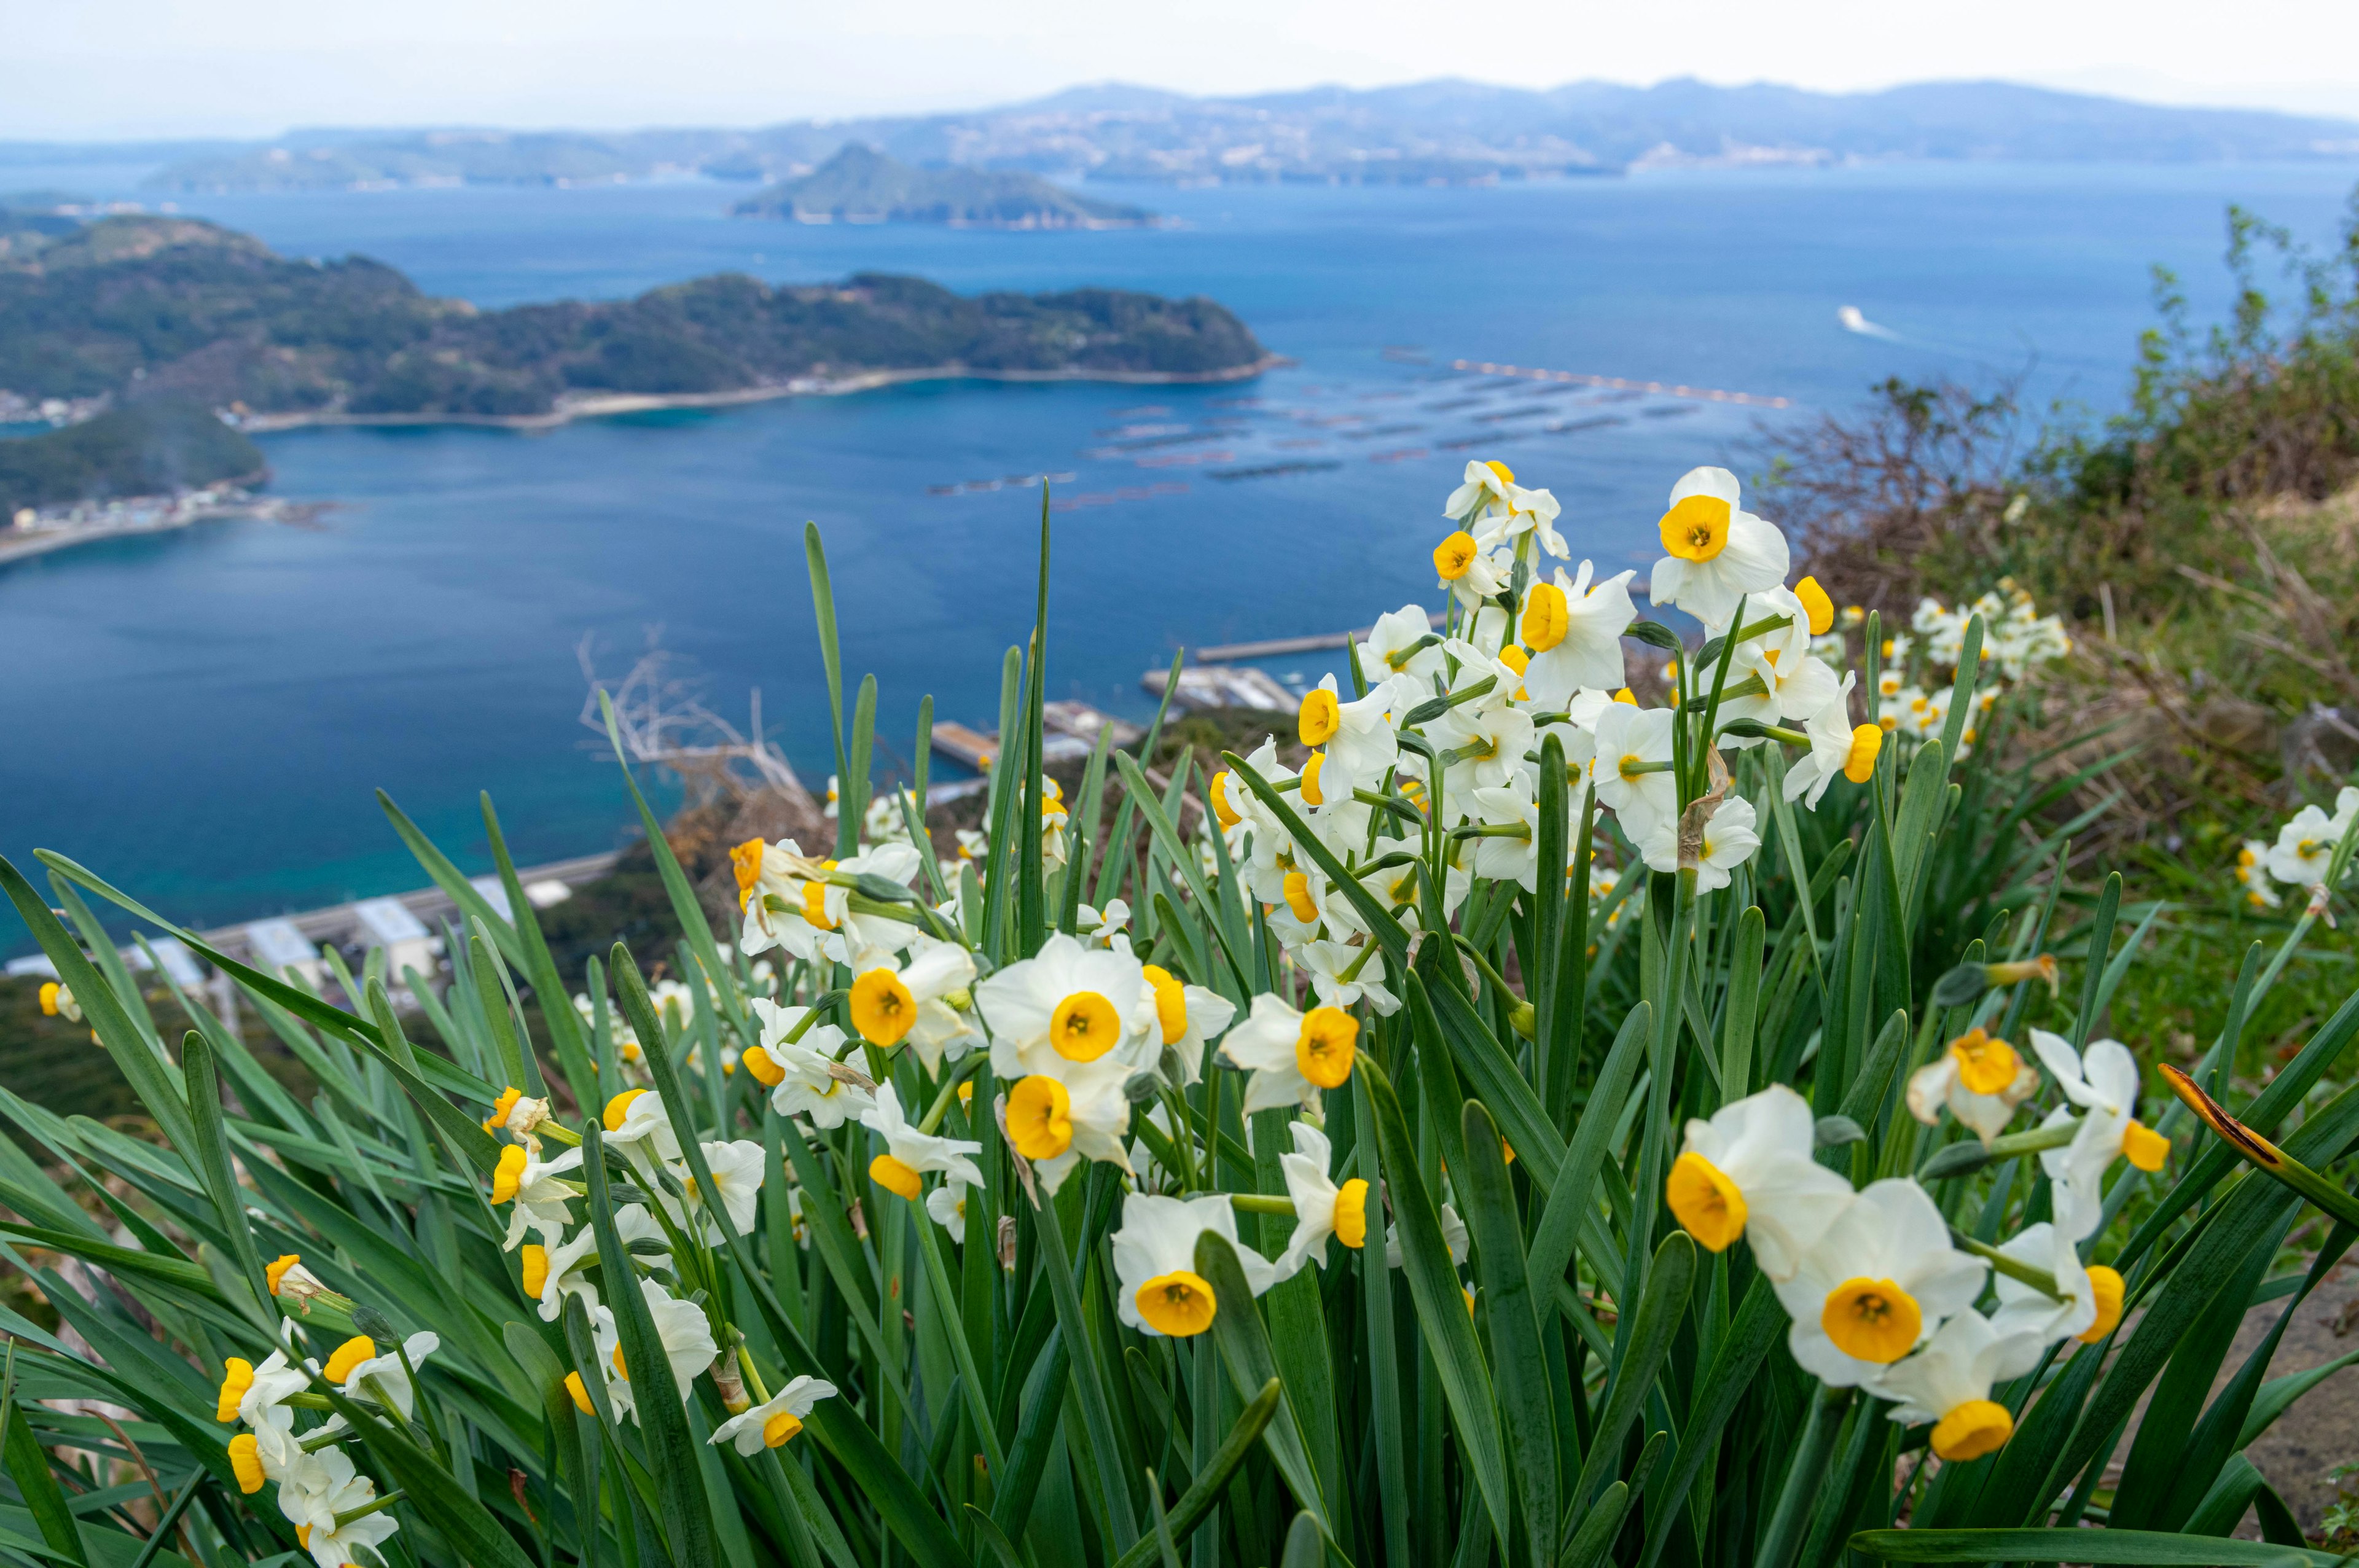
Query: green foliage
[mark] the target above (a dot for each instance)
(1590, 1386)
(149, 448)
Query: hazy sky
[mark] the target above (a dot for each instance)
(88, 68)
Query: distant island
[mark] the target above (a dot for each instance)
(127, 309)
(860, 185)
(1427, 133)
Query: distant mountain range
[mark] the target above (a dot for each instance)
(1433, 132)
(860, 185)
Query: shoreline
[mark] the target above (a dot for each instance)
(609, 406)
(24, 545)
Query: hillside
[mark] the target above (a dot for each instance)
(136, 308)
(1447, 131)
(150, 447)
(860, 185)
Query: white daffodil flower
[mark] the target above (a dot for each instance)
(686, 1336)
(313, 1510)
(1470, 570)
(1730, 837)
(1748, 1172)
(2305, 846)
(946, 1204)
(1508, 857)
(563, 1267)
(1321, 1208)
(1520, 512)
(536, 1188)
(1105, 928)
(2252, 874)
(775, 1420)
(2104, 1081)
(1290, 1054)
(771, 879)
(1453, 1236)
(1876, 1284)
(1187, 1018)
(1718, 552)
(1067, 1004)
(1490, 743)
(1574, 632)
(851, 932)
(736, 1168)
(1633, 777)
(908, 1154)
(257, 1395)
(637, 1123)
(1948, 1383)
(802, 1073)
(1056, 1122)
(1980, 1078)
(1484, 489)
(1157, 1290)
(2023, 1309)
(1342, 976)
(1837, 748)
(383, 1377)
(1391, 647)
(1364, 745)
(889, 999)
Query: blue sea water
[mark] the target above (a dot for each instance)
(204, 716)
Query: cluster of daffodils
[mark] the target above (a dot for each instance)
(1881, 1294)
(683, 1214)
(2311, 853)
(338, 1516)
(1914, 689)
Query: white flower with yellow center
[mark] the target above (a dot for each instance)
(335, 1489)
(537, 1189)
(680, 1326)
(803, 1077)
(1718, 552)
(1291, 1054)
(1948, 1384)
(561, 1269)
(888, 999)
(1157, 1290)
(774, 1422)
(257, 1395)
(1187, 1018)
(1506, 856)
(1488, 742)
(1471, 569)
(1485, 490)
(770, 878)
(946, 1204)
(1069, 1003)
(909, 1153)
(1363, 745)
(1980, 1078)
(2080, 1304)
(1344, 976)
(1573, 632)
(2103, 1082)
(1058, 1121)
(1876, 1284)
(2305, 846)
(736, 1168)
(1321, 1208)
(1838, 747)
(1401, 642)
(1748, 1172)
(2252, 874)
(1633, 774)
(1731, 835)
(1107, 927)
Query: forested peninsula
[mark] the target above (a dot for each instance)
(133, 308)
